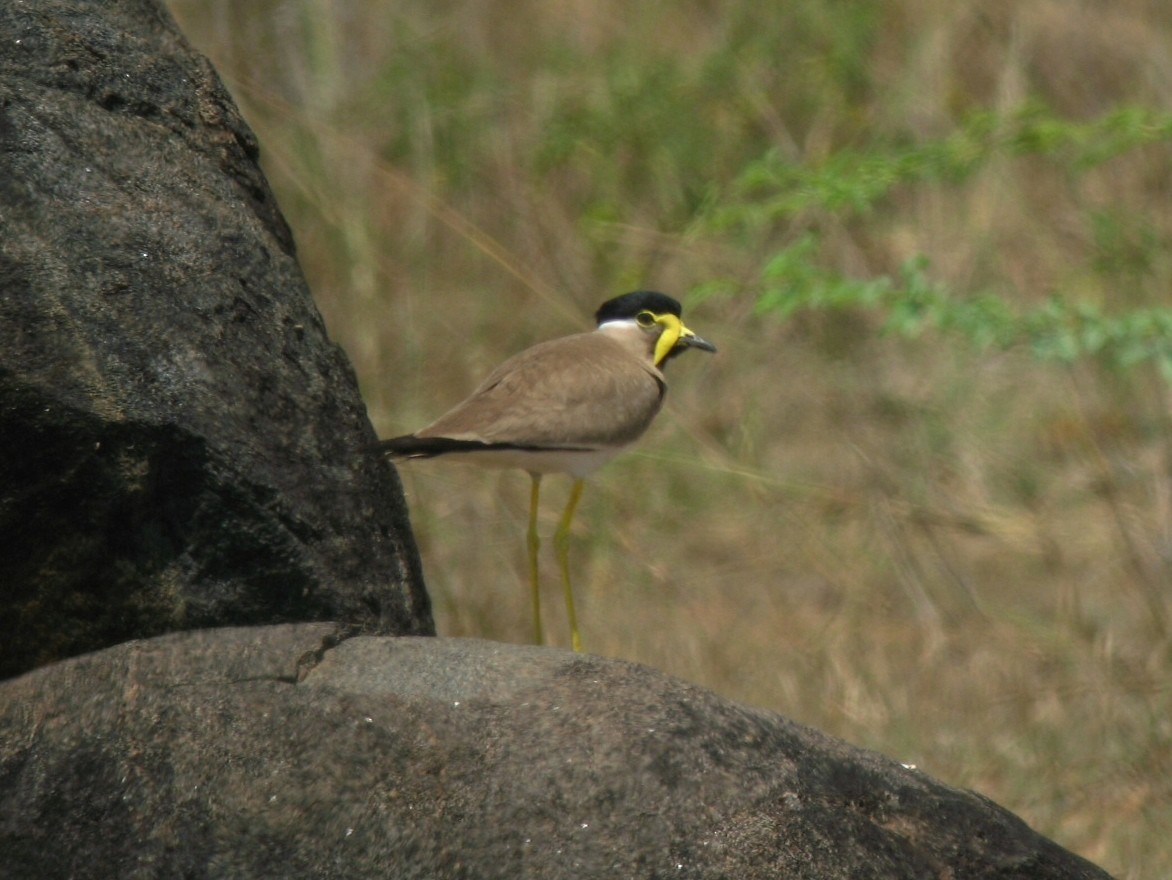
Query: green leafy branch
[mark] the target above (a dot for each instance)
(912, 303)
(853, 181)
(777, 196)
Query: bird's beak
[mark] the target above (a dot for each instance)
(688, 339)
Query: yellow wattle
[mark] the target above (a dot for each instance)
(672, 327)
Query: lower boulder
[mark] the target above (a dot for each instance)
(296, 752)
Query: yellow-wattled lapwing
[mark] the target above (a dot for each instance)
(568, 406)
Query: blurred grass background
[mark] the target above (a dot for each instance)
(957, 554)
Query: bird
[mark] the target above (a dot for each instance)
(567, 405)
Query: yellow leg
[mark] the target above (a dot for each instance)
(534, 542)
(561, 543)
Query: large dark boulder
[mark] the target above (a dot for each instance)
(179, 440)
(278, 752)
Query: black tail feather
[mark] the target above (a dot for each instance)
(410, 446)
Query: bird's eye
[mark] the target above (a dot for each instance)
(645, 319)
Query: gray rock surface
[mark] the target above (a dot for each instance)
(264, 752)
(179, 439)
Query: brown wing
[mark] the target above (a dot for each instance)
(580, 391)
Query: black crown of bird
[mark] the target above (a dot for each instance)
(568, 406)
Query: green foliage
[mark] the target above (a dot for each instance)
(656, 127)
(775, 195)
(854, 181)
(911, 303)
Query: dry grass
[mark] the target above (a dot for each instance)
(958, 558)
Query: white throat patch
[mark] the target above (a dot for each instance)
(619, 323)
